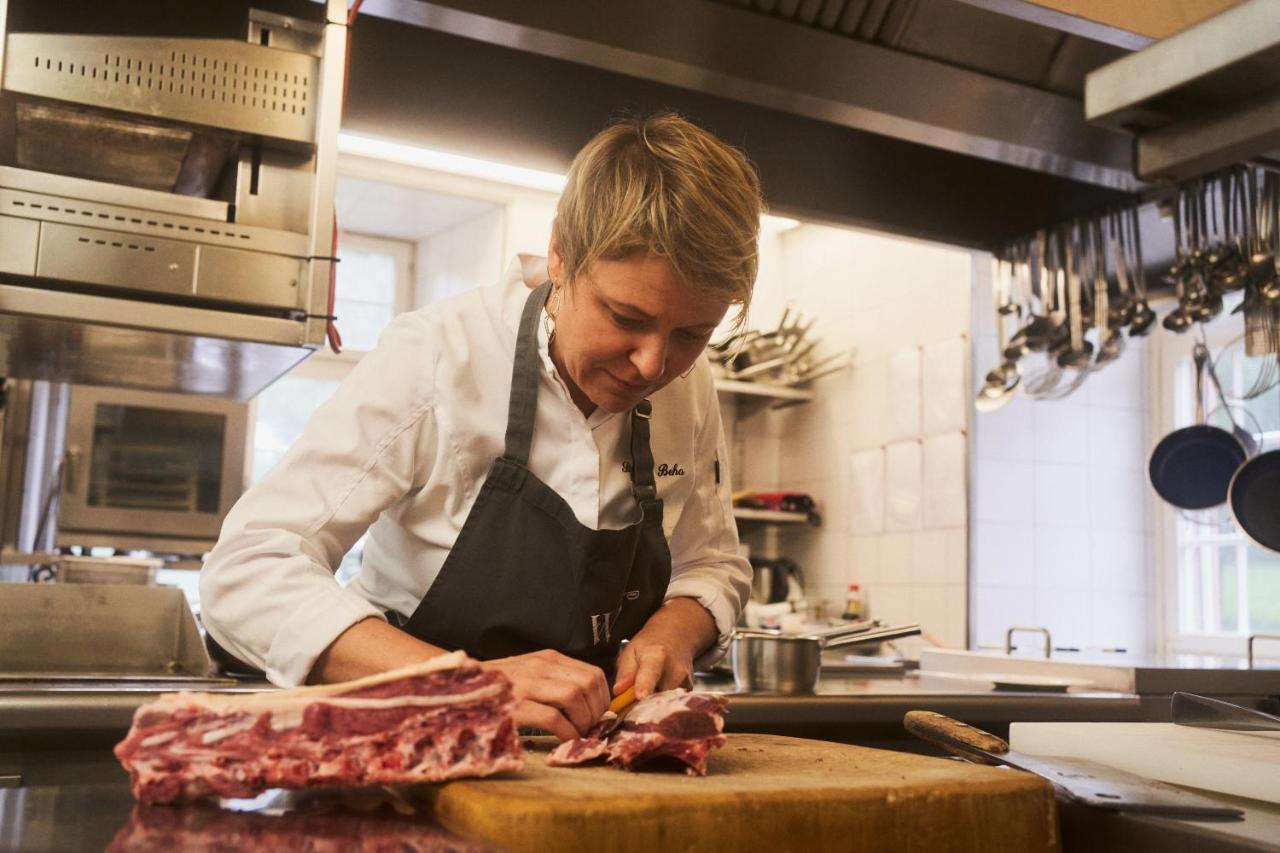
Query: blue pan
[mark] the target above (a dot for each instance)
(1255, 499)
(1192, 467)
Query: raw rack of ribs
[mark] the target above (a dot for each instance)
(675, 725)
(442, 719)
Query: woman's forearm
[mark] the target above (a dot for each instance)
(370, 646)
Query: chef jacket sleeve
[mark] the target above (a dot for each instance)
(267, 591)
(705, 563)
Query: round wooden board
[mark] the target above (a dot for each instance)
(761, 792)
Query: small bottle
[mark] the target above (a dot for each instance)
(854, 607)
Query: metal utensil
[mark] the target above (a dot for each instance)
(1246, 439)
(1188, 709)
(1082, 781)
(771, 662)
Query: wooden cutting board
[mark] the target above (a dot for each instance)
(761, 792)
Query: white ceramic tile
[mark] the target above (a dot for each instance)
(1062, 557)
(1061, 494)
(1123, 384)
(903, 504)
(1062, 431)
(1006, 433)
(940, 317)
(823, 556)
(867, 491)
(899, 318)
(928, 557)
(890, 603)
(1118, 439)
(1119, 562)
(866, 416)
(929, 607)
(957, 616)
(1001, 489)
(945, 486)
(1118, 499)
(1120, 620)
(1003, 555)
(864, 559)
(903, 391)
(1066, 614)
(945, 386)
(997, 608)
(895, 558)
(955, 558)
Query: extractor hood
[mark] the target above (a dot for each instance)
(1199, 100)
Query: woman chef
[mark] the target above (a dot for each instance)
(539, 465)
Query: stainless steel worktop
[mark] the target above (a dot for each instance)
(105, 817)
(855, 709)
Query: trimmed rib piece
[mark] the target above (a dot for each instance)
(675, 725)
(442, 719)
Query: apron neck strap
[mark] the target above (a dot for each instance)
(524, 403)
(524, 379)
(641, 454)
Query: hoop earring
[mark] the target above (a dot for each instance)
(685, 375)
(549, 318)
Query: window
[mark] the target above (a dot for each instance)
(1219, 587)
(374, 283)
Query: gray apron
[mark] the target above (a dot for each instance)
(524, 574)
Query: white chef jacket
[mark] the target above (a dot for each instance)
(402, 449)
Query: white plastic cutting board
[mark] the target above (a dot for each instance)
(1246, 764)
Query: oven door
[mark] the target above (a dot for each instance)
(151, 466)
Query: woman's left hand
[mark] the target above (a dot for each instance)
(660, 656)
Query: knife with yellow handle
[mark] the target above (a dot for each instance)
(1083, 781)
(619, 706)
(623, 701)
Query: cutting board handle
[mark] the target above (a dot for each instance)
(954, 736)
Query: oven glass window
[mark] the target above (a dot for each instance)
(156, 459)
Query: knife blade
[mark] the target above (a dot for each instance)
(1082, 781)
(1188, 709)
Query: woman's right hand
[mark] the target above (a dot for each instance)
(554, 692)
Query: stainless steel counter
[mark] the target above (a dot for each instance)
(54, 819)
(841, 706)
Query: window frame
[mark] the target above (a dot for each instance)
(402, 253)
(1168, 351)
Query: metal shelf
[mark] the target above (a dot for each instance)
(768, 516)
(757, 395)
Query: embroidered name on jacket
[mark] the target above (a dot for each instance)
(663, 470)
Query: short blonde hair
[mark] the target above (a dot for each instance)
(663, 185)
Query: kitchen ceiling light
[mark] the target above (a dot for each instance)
(454, 164)
(473, 167)
(777, 224)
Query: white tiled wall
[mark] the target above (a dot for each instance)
(465, 256)
(883, 446)
(1061, 535)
